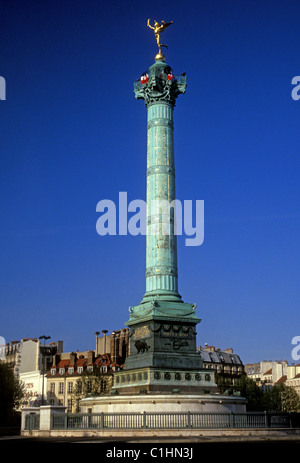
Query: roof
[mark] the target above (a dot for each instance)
(63, 363)
(281, 380)
(220, 357)
(101, 360)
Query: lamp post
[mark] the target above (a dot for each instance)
(104, 332)
(44, 337)
(97, 334)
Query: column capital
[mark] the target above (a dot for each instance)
(160, 85)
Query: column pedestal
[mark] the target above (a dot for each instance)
(163, 356)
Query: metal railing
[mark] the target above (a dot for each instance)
(173, 420)
(32, 421)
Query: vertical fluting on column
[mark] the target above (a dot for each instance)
(160, 92)
(161, 246)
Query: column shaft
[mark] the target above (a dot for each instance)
(161, 246)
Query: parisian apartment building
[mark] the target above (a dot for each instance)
(268, 373)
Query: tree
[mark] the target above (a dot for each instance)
(281, 398)
(290, 401)
(91, 383)
(251, 391)
(223, 383)
(12, 391)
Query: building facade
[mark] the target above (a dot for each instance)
(30, 360)
(116, 344)
(227, 365)
(30, 354)
(294, 382)
(74, 375)
(268, 373)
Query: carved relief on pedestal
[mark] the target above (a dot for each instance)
(176, 336)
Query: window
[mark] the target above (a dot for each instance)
(61, 371)
(70, 387)
(71, 370)
(69, 407)
(103, 386)
(53, 371)
(90, 369)
(80, 369)
(61, 388)
(52, 388)
(89, 386)
(79, 387)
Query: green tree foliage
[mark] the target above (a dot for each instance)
(11, 393)
(223, 383)
(94, 383)
(281, 398)
(250, 390)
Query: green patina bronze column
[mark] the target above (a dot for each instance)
(159, 94)
(163, 353)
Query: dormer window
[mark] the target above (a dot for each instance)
(61, 371)
(90, 369)
(80, 369)
(71, 370)
(53, 371)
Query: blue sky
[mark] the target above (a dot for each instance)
(73, 134)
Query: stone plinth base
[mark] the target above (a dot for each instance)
(137, 436)
(164, 381)
(164, 403)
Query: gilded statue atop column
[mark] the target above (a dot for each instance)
(158, 29)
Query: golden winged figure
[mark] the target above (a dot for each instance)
(158, 29)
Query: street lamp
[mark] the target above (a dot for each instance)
(97, 334)
(43, 364)
(104, 332)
